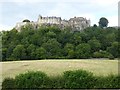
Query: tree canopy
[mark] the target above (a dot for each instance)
(26, 20)
(53, 42)
(103, 22)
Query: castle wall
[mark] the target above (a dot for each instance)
(50, 20)
(77, 23)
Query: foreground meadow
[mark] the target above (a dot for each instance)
(57, 67)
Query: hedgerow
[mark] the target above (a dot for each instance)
(77, 79)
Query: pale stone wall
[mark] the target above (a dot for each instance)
(19, 25)
(50, 20)
(78, 23)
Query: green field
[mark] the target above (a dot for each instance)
(57, 67)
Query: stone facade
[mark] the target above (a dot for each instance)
(76, 23)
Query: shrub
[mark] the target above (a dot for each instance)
(101, 54)
(56, 82)
(32, 80)
(110, 81)
(113, 81)
(78, 79)
(97, 55)
(8, 83)
(111, 57)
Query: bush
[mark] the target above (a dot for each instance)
(101, 54)
(32, 80)
(78, 79)
(110, 81)
(8, 83)
(56, 82)
(97, 55)
(113, 81)
(111, 57)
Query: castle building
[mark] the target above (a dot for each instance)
(76, 23)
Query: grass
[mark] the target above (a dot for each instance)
(56, 67)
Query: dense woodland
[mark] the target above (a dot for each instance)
(54, 43)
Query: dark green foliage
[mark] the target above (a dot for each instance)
(94, 25)
(101, 54)
(41, 53)
(52, 47)
(8, 84)
(78, 79)
(56, 82)
(53, 42)
(95, 44)
(110, 81)
(19, 52)
(103, 22)
(111, 57)
(32, 80)
(26, 20)
(69, 50)
(113, 49)
(31, 51)
(83, 50)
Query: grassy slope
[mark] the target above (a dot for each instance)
(56, 67)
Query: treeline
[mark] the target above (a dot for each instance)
(52, 42)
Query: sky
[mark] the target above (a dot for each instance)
(13, 11)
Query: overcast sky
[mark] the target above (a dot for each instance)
(13, 11)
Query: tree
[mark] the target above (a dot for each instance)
(101, 54)
(19, 52)
(10, 50)
(69, 50)
(41, 53)
(31, 51)
(26, 20)
(95, 44)
(113, 49)
(83, 51)
(53, 48)
(76, 39)
(4, 50)
(95, 25)
(64, 37)
(110, 38)
(103, 22)
(53, 42)
(51, 34)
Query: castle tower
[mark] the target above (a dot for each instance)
(39, 19)
(89, 22)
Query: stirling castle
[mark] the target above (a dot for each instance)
(76, 23)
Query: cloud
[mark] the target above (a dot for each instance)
(29, 9)
(69, 10)
(5, 27)
(113, 20)
(105, 2)
(97, 2)
(61, 9)
(89, 16)
(22, 17)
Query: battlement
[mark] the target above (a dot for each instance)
(77, 23)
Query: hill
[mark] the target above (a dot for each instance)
(52, 42)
